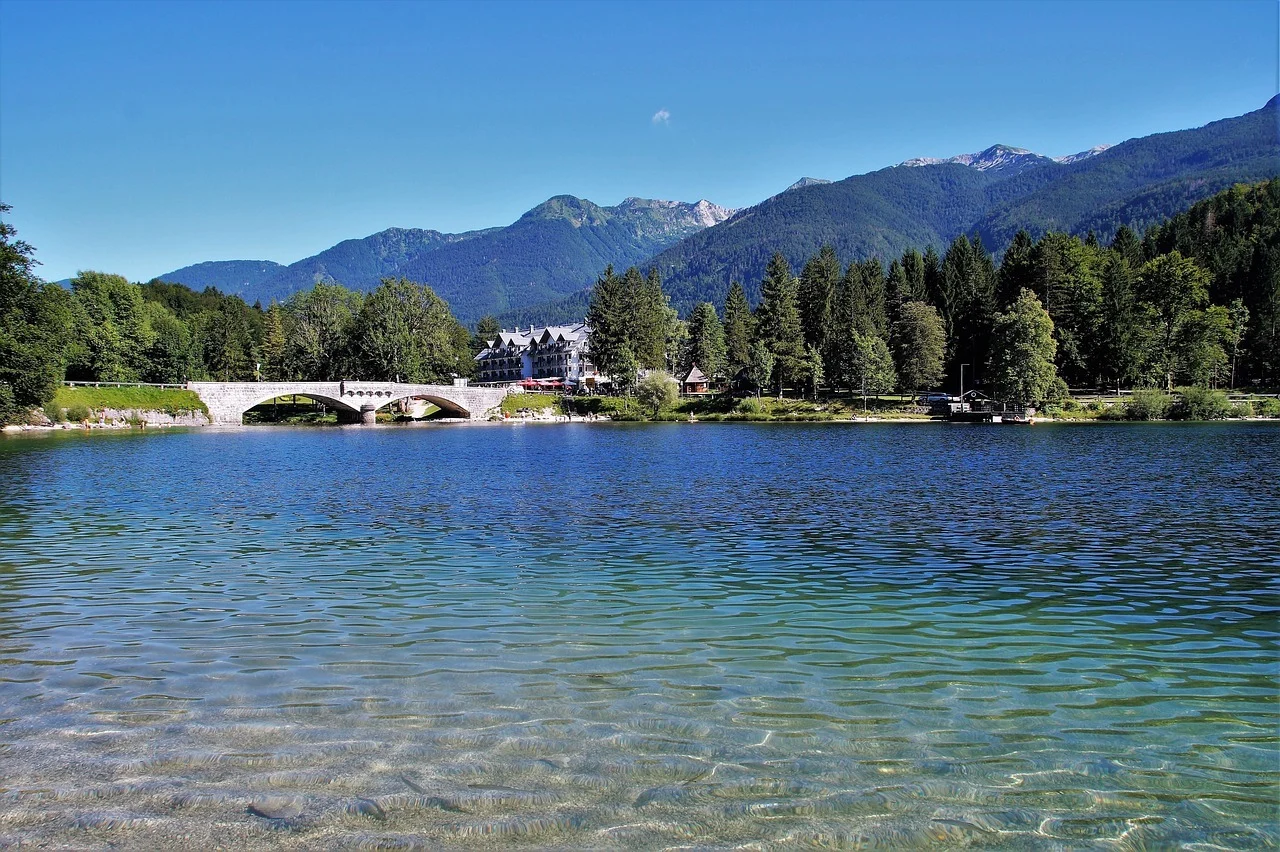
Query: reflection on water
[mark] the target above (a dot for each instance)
(609, 636)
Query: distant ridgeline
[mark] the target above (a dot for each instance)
(553, 250)
(1136, 183)
(536, 269)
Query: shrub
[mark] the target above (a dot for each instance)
(78, 413)
(750, 405)
(657, 391)
(1267, 407)
(1242, 410)
(1201, 404)
(1148, 405)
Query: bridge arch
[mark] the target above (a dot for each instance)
(452, 407)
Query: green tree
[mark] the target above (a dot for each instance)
(321, 320)
(228, 342)
(817, 285)
(609, 317)
(1173, 286)
(875, 321)
(1201, 344)
(868, 366)
(706, 345)
(170, 358)
(1023, 350)
(1017, 270)
(657, 391)
(113, 328)
(1124, 325)
(920, 345)
(739, 329)
(651, 318)
(811, 370)
(486, 331)
(1239, 315)
(275, 340)
(405, 332)
(760, 365)
(778, 321)
(35, 321)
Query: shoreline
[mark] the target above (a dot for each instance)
(21, 429)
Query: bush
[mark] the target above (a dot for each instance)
(1267, 407)
(77, 413)
(1201, 404)
(1148, 405)
(750, 405)
(657, 391)
(1242, 410)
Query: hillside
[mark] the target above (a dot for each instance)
(553, 250)
(234, 277)
(994, 193)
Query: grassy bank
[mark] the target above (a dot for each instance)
(70, 401)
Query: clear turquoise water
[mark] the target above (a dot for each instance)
(609, 636)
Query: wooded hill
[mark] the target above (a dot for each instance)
(1136, 183)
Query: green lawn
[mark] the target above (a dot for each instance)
(172, 401)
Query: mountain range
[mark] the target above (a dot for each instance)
(536, 269)
(554, 249)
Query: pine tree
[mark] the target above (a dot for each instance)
(609, 317)
(274, 342)
(1017, 270)
(739, 328)
(778, 321)
(817, 286)
(875, 322)
(649, 325)
(706, 346)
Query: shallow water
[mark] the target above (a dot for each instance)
(898, 636)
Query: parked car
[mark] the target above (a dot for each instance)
(933, 398)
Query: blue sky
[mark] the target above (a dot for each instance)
(140, 137)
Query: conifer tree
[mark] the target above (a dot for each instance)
(609, 317)
(739, 328)
(649, 318)
(875, 321)
(274, 343)
(706, 346)
(1017, 270)
(778, 321)
(818, 282)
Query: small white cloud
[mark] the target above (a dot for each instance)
(662, 116)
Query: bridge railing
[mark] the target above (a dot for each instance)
(121, 385)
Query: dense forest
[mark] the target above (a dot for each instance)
(1196, 302)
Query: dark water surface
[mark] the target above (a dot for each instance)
(912, 636)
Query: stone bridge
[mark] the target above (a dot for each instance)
(355, 402)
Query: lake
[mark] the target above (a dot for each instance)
(642, 636)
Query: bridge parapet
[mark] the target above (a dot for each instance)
(228, 401)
